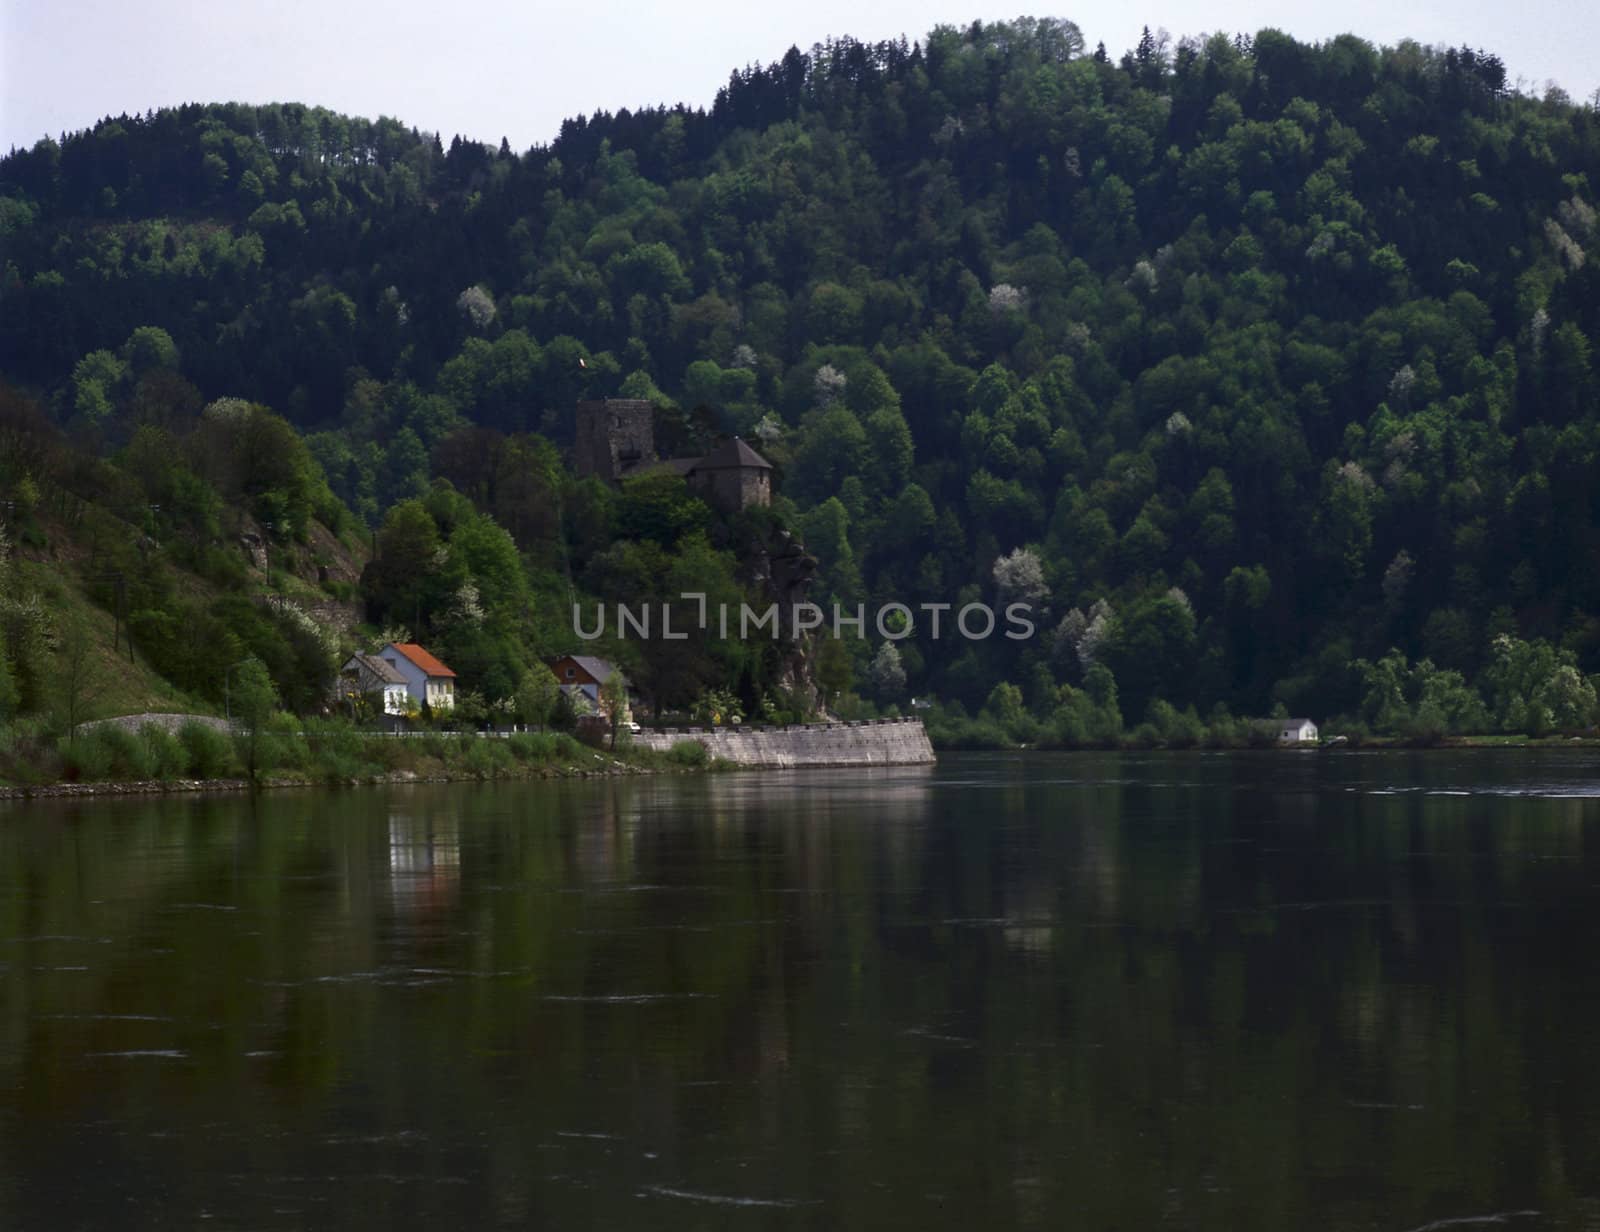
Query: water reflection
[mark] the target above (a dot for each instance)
(424, 862)
(1109, 991)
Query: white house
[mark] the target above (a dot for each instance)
(427, 679)
(1294, 731)
(371, 675)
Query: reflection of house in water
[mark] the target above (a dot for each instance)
(607, 834)
(424, 862)
(1030, 903)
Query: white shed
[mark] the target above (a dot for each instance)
(1295, 731)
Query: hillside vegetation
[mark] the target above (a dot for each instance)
(1265, 371)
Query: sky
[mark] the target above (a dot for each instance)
(488, 69)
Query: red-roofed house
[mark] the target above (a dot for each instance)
(427, 679)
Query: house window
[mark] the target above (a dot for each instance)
(571, 673)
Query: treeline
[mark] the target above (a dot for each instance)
(1246, 361)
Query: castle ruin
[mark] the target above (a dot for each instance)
(616, 441)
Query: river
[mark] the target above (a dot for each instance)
(1096, 991)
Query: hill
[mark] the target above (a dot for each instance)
(1245, 361)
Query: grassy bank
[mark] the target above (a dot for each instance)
(315, 751)
(1168, 728)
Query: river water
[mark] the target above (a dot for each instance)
(1274, 991)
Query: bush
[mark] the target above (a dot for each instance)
(207, 751)
(26, 755)
(689, 753)
(336, 750)
(488, 758)
(164, 756)
(109, 752)
(88, 758)
(129, 756)
(545, 746)
(281, 745)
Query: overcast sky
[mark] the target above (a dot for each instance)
(493, 68)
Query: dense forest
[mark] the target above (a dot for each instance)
(1266, 371)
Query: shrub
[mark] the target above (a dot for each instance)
(88, 758)
(689, 753)
(207, 752)
(488, 758)
(25, 754)
(127, 754)
(164, 756)
(335, 750)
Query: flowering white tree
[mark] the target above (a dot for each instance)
(1567, 248)
(1020, 577)
(1144, 277)
(769, 429)
(467, 606)
(1577, 216)
(1004, 298)
(887, 674)
(1094, 637)
(1354, 473)
(477, 305)
(1538, 329)
(1081, 636)
(829, 385)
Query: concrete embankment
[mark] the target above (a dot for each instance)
(880, 742)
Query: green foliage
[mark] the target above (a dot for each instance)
(537, 693)
(207, 752)
(1304, 334)
(252, 703)
(690, 753)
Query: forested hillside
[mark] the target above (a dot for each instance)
(1247, 361)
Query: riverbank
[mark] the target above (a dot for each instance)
(1369, 744)
(154, 759)
(164, 787)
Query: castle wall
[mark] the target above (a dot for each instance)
(881, 742)
(612, 433)
(735, 488)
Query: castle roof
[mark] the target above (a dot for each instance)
(733, 454)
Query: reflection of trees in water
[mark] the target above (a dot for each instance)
(1132, 987)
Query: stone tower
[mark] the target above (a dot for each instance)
(733, 477)
(614, 436)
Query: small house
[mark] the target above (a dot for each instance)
(427, 680)
(585, 675)
(1294, 731)
(370, 676)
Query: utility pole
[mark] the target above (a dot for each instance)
(120, 582)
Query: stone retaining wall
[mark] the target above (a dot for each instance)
(880, 742)
(171, 723)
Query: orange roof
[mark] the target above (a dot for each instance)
(422, 659)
